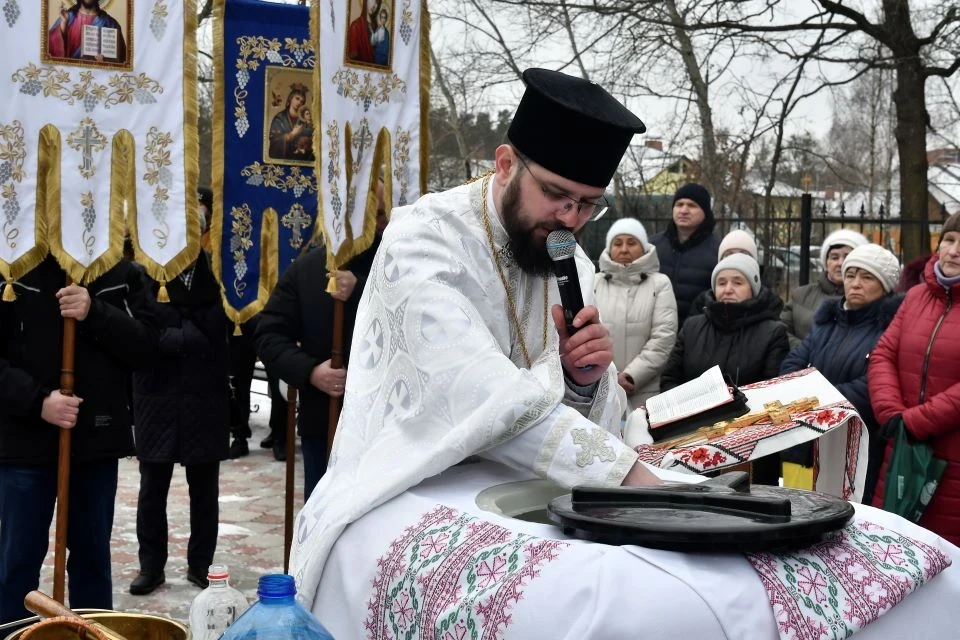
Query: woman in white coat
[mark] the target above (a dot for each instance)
(637, 305)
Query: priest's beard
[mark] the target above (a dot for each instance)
(529, 252)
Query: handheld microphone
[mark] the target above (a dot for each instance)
(561, 246)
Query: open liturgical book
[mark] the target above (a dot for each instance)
(704, 400)
(99, 41)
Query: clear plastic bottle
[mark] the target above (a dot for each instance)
(277, 615)
(216, 607)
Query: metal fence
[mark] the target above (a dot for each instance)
(779, 235)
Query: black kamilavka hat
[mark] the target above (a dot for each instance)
(572, 127)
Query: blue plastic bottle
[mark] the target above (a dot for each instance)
(276, 615)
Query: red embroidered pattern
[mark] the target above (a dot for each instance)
(737, 447)
(453, 576)
(835, 588)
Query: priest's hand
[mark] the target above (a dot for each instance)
(60, 410)
(640, 476)
(329, 380)
(74, 302)
(587, 353)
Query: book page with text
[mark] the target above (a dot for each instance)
(705, 392)
(108, 42)
(91, 41)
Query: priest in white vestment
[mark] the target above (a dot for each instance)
(460, 346)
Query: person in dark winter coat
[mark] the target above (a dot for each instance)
(739, 330)
(804, 301)
(688, 248)
(294, 338)
(914, 378)
(182, 416)
(845, 331)
(115, 334)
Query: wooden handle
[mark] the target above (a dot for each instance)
(59, 615)
(336, 361)
(63, 462)
(46, 607)
(288, 496)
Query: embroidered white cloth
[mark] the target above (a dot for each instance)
(430, 563)
(833, 589)
(835, 425)
(94, 113)
(369, 71)
(436, 375)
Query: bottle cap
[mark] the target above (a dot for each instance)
(276, 585)
(218, 572)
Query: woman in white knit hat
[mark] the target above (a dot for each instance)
(845, 331)
(740, 330)
(804, 301)
(637, 306)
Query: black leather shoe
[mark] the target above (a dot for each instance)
(267, 443)
(198, 578)
(146, 583)
(279, 451)
(239, 448)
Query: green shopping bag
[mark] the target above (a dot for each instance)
(912, 476)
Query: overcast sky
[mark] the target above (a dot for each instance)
(813, 115)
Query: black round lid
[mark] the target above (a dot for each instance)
(721, 514)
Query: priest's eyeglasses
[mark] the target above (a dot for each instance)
(593, 209)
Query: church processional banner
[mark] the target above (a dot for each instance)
(265, 193)
(373, 75)
(98, 135)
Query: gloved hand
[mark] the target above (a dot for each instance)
(888, 429)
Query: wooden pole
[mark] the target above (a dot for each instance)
(63, 462)
(336, 361)
(291, 449)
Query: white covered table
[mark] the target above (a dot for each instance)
(431, 564)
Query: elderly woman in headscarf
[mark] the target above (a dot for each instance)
(845, 331)
(804, 301)
(637, 305)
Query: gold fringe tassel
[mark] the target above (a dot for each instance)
(236, 330)
(8, 293)
(162, 295)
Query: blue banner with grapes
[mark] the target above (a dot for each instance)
(265, 199)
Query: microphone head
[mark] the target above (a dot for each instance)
(561, 244)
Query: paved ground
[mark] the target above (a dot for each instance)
(251, 526)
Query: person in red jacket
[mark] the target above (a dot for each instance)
(913, 376)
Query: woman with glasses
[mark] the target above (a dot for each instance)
(688, 248)
(637, 306)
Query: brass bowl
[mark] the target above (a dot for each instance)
(132, 626)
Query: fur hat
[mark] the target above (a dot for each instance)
(738, 239)
(629, 227)
(697, 193)
(876, 260)
(742, 263)
(842, 238)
